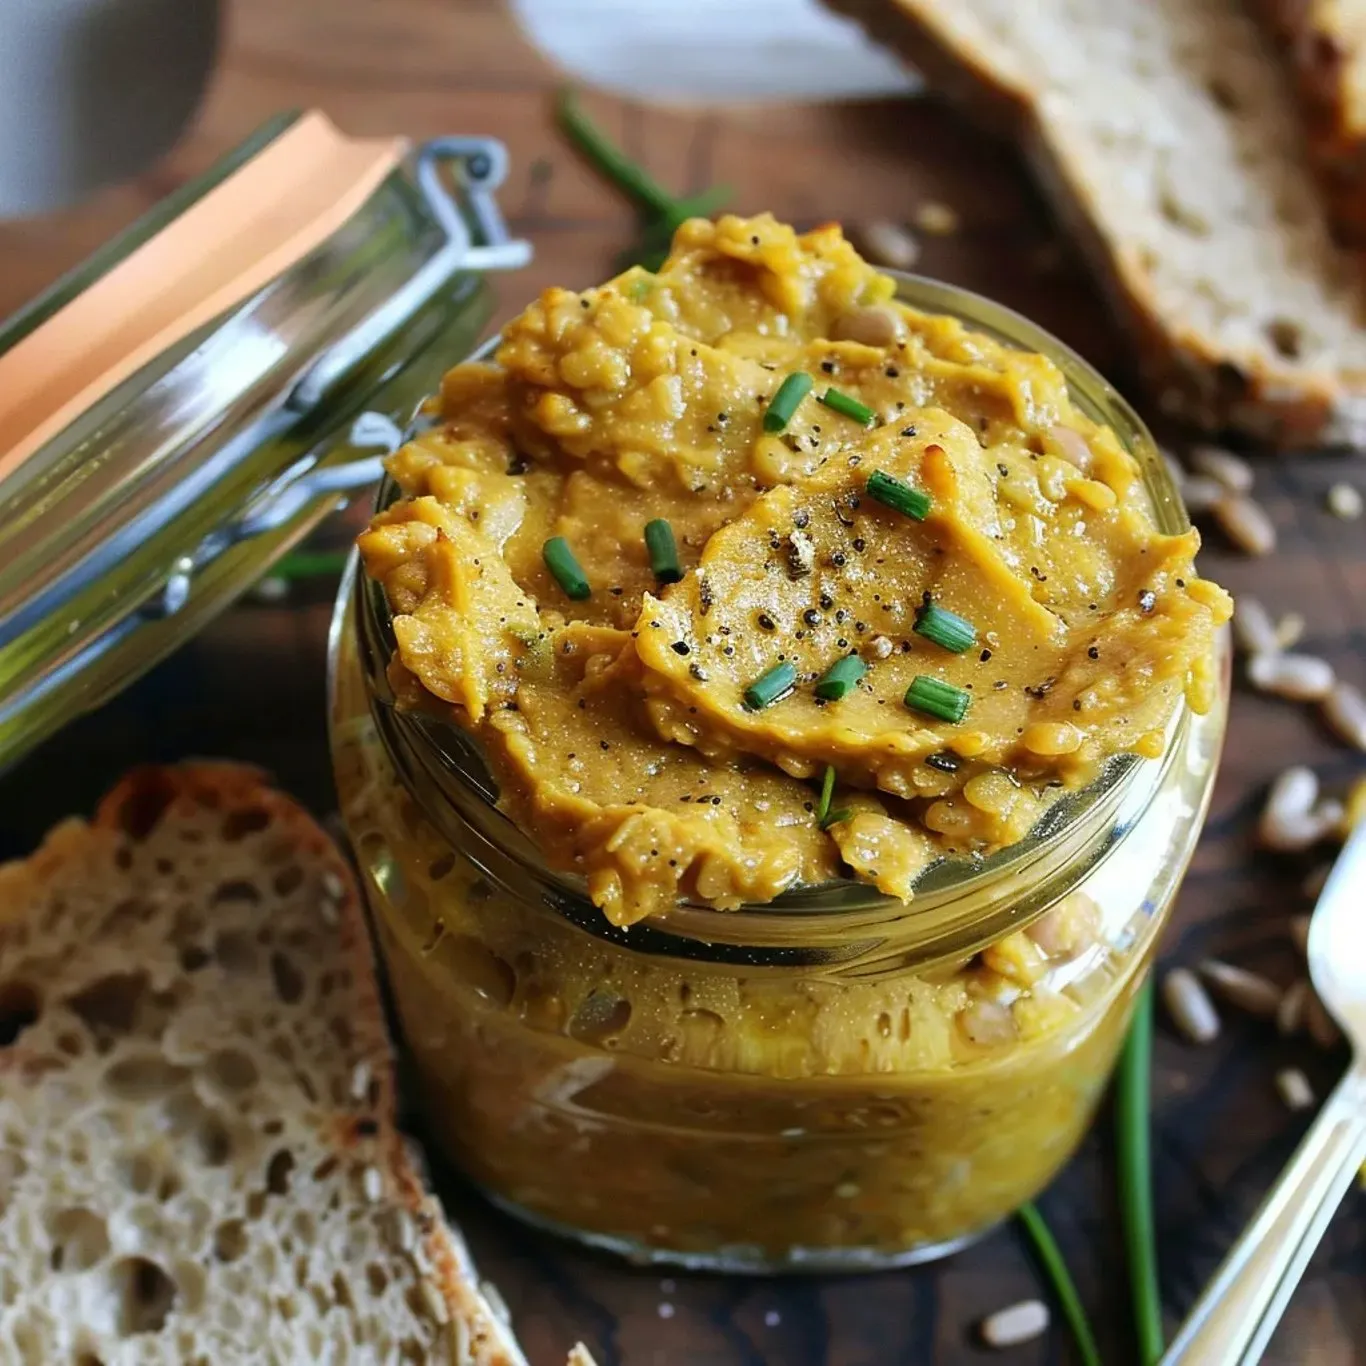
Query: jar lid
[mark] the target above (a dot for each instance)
(193, 399)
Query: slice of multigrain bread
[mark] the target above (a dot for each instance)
(199, 1163)
(1323, 43)
(1166, 137)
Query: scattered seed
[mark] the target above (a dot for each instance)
(333, 887)
(1230, 470)
(360, 1081)
(1293, 793)
(1246, 523)
(870, 326)
(1019, 1323)
(1302, 678)
(1295, 1089)
(1253, 627)
(1200, 493)
(1176, 471)
(936, 219)
(1322, 1027)
(1299, 924)
(1249, 991)
(1073, 446)
(1345, 710)
(273, 588)
(1345, 501)
(1290, 1013)
(987, 1023)
(1293, 834)
(494, 1298)
(886, 243)
(1289, 629)
(1189, 1005)
(880, 647)
(372, 1183)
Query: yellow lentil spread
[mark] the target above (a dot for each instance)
(621, 726)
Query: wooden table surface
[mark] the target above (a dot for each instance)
(426, 67)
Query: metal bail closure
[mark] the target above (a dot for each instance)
(68, 620)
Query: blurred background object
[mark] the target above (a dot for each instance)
(712, 49)
(94, 91)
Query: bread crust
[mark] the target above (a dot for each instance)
(1188, 375)
(1324, 53)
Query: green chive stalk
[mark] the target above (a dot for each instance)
(1064, 1288)
(1134, 1145)
(660, 211)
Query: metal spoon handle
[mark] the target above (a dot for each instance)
(1234, 1318)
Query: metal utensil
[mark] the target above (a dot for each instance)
(1235, 1317)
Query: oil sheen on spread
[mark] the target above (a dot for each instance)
(617, 724)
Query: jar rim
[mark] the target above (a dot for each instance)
(962, 902)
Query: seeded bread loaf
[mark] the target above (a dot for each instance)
(198, 1156)
(1164, 133)
(1323, 44)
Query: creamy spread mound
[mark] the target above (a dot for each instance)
(745, 575)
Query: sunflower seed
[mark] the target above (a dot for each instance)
(1246, 523)
(936, 219)
(1293, 793)
(1301, 678)
(886, 243)
(1249, 991)
(1299, 924)
(1253, 627)
(372, 1183)
(1290, 1014)
(1189, 1005)
(1073, 446)
(1200, 493)
(1345, 501)
(870, 326)
(1322, 1027)
(1019, 1323)
(1289, 630)
(1292, 834)
(1295, 1089)
(1175, 470)
(1345, 710)
(1230, 470)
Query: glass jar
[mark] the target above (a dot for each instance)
(160, 449)
(835, 1080)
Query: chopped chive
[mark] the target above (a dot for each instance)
(945, 628)
(840, 677)
(825, 818)
(899, 496)
(784, 403)
(659, 541)
(849, 407)
(827, 792)
(769, 687)
(937, 698)
(568, 573)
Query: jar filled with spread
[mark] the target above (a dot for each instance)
(773, 715)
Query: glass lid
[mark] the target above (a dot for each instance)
(189, 402)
